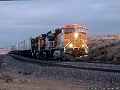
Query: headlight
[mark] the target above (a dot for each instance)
(70, 45)
(76, 35)
(82, 45)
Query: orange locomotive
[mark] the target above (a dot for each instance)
(73, 40)
(77, 37)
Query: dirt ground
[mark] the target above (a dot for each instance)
(8, 82)
(12, 81)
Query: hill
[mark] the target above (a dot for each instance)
(104, 48)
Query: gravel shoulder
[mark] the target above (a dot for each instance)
(22, 75)
(15, 75)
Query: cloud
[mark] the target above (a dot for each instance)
(30, 18)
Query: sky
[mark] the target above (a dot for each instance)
(20, 20)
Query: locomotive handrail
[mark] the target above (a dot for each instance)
(67, 44)
(84, 43)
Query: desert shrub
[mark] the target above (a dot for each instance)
(99, 58)
(89, 58)
(104, 48)
(91, 54)
(117, 58)
(109, 57)
(111, 52)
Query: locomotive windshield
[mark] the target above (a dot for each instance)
(50, 36)
(68, 30)
(81, 30)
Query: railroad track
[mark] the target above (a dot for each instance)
(59, 64)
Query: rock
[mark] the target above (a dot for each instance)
(5, 77)
(27, 73)
(19, 72)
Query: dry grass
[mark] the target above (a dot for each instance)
(104, 48)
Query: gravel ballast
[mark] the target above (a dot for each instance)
(85, 78)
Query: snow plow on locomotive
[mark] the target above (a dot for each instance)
(69, 42)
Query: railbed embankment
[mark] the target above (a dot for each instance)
(1, 59)
(75, 64)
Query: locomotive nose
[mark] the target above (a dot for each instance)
(75, 35)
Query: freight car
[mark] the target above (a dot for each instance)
(68, 42)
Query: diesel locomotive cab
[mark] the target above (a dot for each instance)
(75, 40)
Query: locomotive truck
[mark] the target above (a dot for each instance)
(68, 42)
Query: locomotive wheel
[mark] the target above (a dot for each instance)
(32, 54)
(37, 54)
(77, 54)
(44, 55)
(63, 57)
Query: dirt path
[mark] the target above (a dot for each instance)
(31, 84)
(40, 86)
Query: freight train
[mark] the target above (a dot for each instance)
(68, 42)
